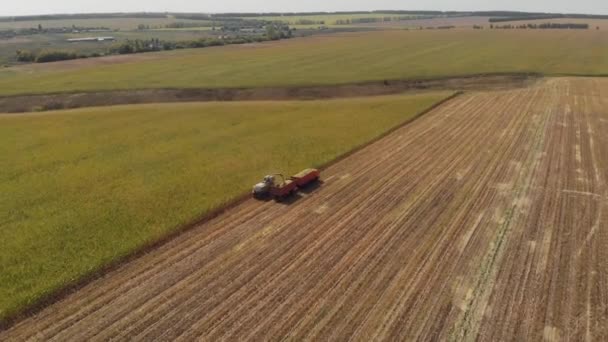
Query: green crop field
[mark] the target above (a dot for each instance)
(83, 187)
(329, 19)
(363, 56)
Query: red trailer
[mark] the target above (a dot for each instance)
(306, 177)
(279, 191)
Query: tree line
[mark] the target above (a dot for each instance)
(309, 22)
(46, 56)
(544, 26)
(82, 16)
(273, 32)
(548, 16)
(377, 20)
(499, 15)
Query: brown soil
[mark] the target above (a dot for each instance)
(484, 219)
(28, 103)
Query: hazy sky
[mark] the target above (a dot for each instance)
(20, 7)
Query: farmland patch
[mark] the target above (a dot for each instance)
(513, 250)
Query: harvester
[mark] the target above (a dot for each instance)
(270, 186)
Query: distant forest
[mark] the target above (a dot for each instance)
(548, 16)
(498, 16)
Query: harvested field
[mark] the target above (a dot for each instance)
(483, 219)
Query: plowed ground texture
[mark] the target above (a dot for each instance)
(485, 219)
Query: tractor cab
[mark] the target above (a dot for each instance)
(262, 189)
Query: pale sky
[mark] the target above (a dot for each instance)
(22, 7)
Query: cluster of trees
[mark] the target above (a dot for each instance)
(82, 16)
(356, 21)
(310, 22)
(192, 16)
(559, 26)
(149, 45)
(544, 26)
(376, 20)
(136, 46)
(228, 25)
(540, 16)
(54, 56)
(25, 56)
(176, 25)
(274, 31)
(46, 56)
(436, 27)
(420, 28)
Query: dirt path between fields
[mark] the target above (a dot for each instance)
(44, 102)
(482, 220)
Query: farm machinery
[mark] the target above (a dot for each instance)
(278, 187)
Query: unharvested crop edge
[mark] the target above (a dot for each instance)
(578, 75)
(389, 131)
(70, 287)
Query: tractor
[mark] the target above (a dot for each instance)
(270, 187)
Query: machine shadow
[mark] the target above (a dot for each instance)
(307, 190)
(311, 187)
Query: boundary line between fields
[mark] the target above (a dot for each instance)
(12, 104)
(413, 80)
(389, 131)
(69, 288)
